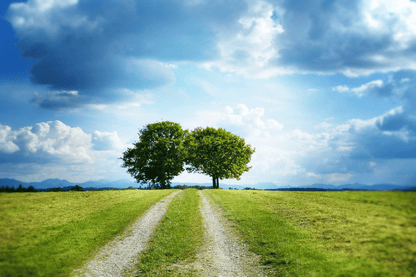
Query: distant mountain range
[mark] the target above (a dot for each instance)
(55, 183)
(355, 186)
(124, 183)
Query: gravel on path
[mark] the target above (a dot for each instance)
(224, 253)
(120, 255)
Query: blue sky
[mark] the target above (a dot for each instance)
(324, 90)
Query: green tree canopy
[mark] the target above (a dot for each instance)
(77, 188)
(158, 156)
(217, 153)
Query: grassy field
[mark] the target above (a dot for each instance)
(296, 233)
(327, 233)
(50, 234)
(176, 238)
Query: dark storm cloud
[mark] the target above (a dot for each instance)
(376, 144)
(394, 122)
(401, 85)
(57, 100)
(328, 36)
(392, 135)
(91, 45)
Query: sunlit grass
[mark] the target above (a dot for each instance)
(176, 238)
(327, 233)
(50, 234)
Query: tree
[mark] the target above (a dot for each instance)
(77, 188)
(31, 189)
(20, 189)
(158, 156)
(7, 189)
(217, 153)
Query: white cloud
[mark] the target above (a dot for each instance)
(169, 65)
(341, 88)
(396, 17)
(338, 177)
(96, 106)
(276, 39)
(249, 49)
(305, 141)
(325, 124)
(257, 39)
(250, 121)
(54, 139)
(335, 153)
(316, 176)
(242, 115)
(55, 150)
(136, 99)
(36, 14)
(361, 90)
(107, 141)
(332, 177)
(6, 140)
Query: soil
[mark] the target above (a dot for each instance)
(223, 254)
(121, 254)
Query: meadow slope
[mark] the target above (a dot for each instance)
(292, 233)
(51, 234)
(326, 233)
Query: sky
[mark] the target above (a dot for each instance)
(324, 90)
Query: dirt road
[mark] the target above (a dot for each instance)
(121, 254)
(223, 253)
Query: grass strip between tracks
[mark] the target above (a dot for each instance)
(51, 234)
(176, 238)
(326, 233)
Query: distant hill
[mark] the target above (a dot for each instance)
(355, 186)
(55, 183)
(119, 184)
(12, 183)
(124, 183)
(227, 186)
(268, 185)
(52, 183)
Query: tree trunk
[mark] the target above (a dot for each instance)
(215, 182)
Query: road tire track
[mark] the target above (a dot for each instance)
(224, 254)
(120, 255)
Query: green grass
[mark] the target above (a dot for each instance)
(327, 233)
(176, 238)
(50, 234)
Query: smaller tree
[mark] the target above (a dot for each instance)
(77, 188)
(11, 189)
(20, 189)
(217, 153)
(31, 189)
(158, 156)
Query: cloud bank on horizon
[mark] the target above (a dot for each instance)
(324, 90)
